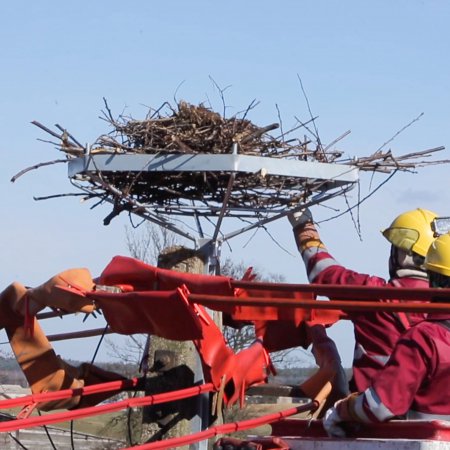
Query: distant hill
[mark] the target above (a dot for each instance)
(10, 372)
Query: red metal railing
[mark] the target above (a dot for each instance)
(216, 302)
(226, 428)
(47, 419)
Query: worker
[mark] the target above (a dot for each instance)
(376, 333)
(414, 382)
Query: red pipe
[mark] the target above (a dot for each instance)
(47, 419)
(225, 428)
(52, 314)
(354, 292)
(67, 393)
(79, 334)
(343, 305)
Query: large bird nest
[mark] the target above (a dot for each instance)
(190, 129)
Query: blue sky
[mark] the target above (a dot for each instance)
(368, 67)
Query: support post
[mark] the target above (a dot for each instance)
(180, 259)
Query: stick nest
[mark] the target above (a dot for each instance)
(190, 129)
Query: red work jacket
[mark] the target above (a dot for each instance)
(376, 333)
(415, 379)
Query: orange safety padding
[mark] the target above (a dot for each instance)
(47, 372)
(167, 314)
(163, 313)
(327, 316)
(43, 369)
(296, 315)
(213, 351)
(283, 334)
(145, 277)
(48, 294)
(222, 365)
(250, 366)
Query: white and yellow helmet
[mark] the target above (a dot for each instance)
(412, 231)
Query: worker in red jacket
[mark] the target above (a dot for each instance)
(414, 382)
(376, 333)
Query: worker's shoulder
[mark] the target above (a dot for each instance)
(428, 330)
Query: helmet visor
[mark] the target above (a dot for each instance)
(403, 238)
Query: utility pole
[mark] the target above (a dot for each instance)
(177, 365)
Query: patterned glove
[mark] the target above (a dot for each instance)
(331, 424)
(300, 217)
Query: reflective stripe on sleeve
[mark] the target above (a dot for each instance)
(360, 352)
(376, 406)
(359, 410)
(320, 265)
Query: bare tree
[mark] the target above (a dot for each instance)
(148, 243)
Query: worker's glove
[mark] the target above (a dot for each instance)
(332, 424)
(249, 275)
(300, 217)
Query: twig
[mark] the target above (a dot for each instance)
(258, 133)
(70, 194)
(401, 130)
(319, 143)
(36, 166)
(339, 138)
(69, 135)
(108, 110)
(253, 104)
(362, 200)
(280, 121)
(47, 130)
(221, 91)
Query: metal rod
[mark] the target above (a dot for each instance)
(199, 225)
(52, 314)
(343, 305)
(224, 207)
(78, 334)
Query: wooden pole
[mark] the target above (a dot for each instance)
(180, 354)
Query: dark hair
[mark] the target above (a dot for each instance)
(437, 280)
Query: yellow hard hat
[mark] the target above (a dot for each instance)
(411, 231)
(438, 256)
